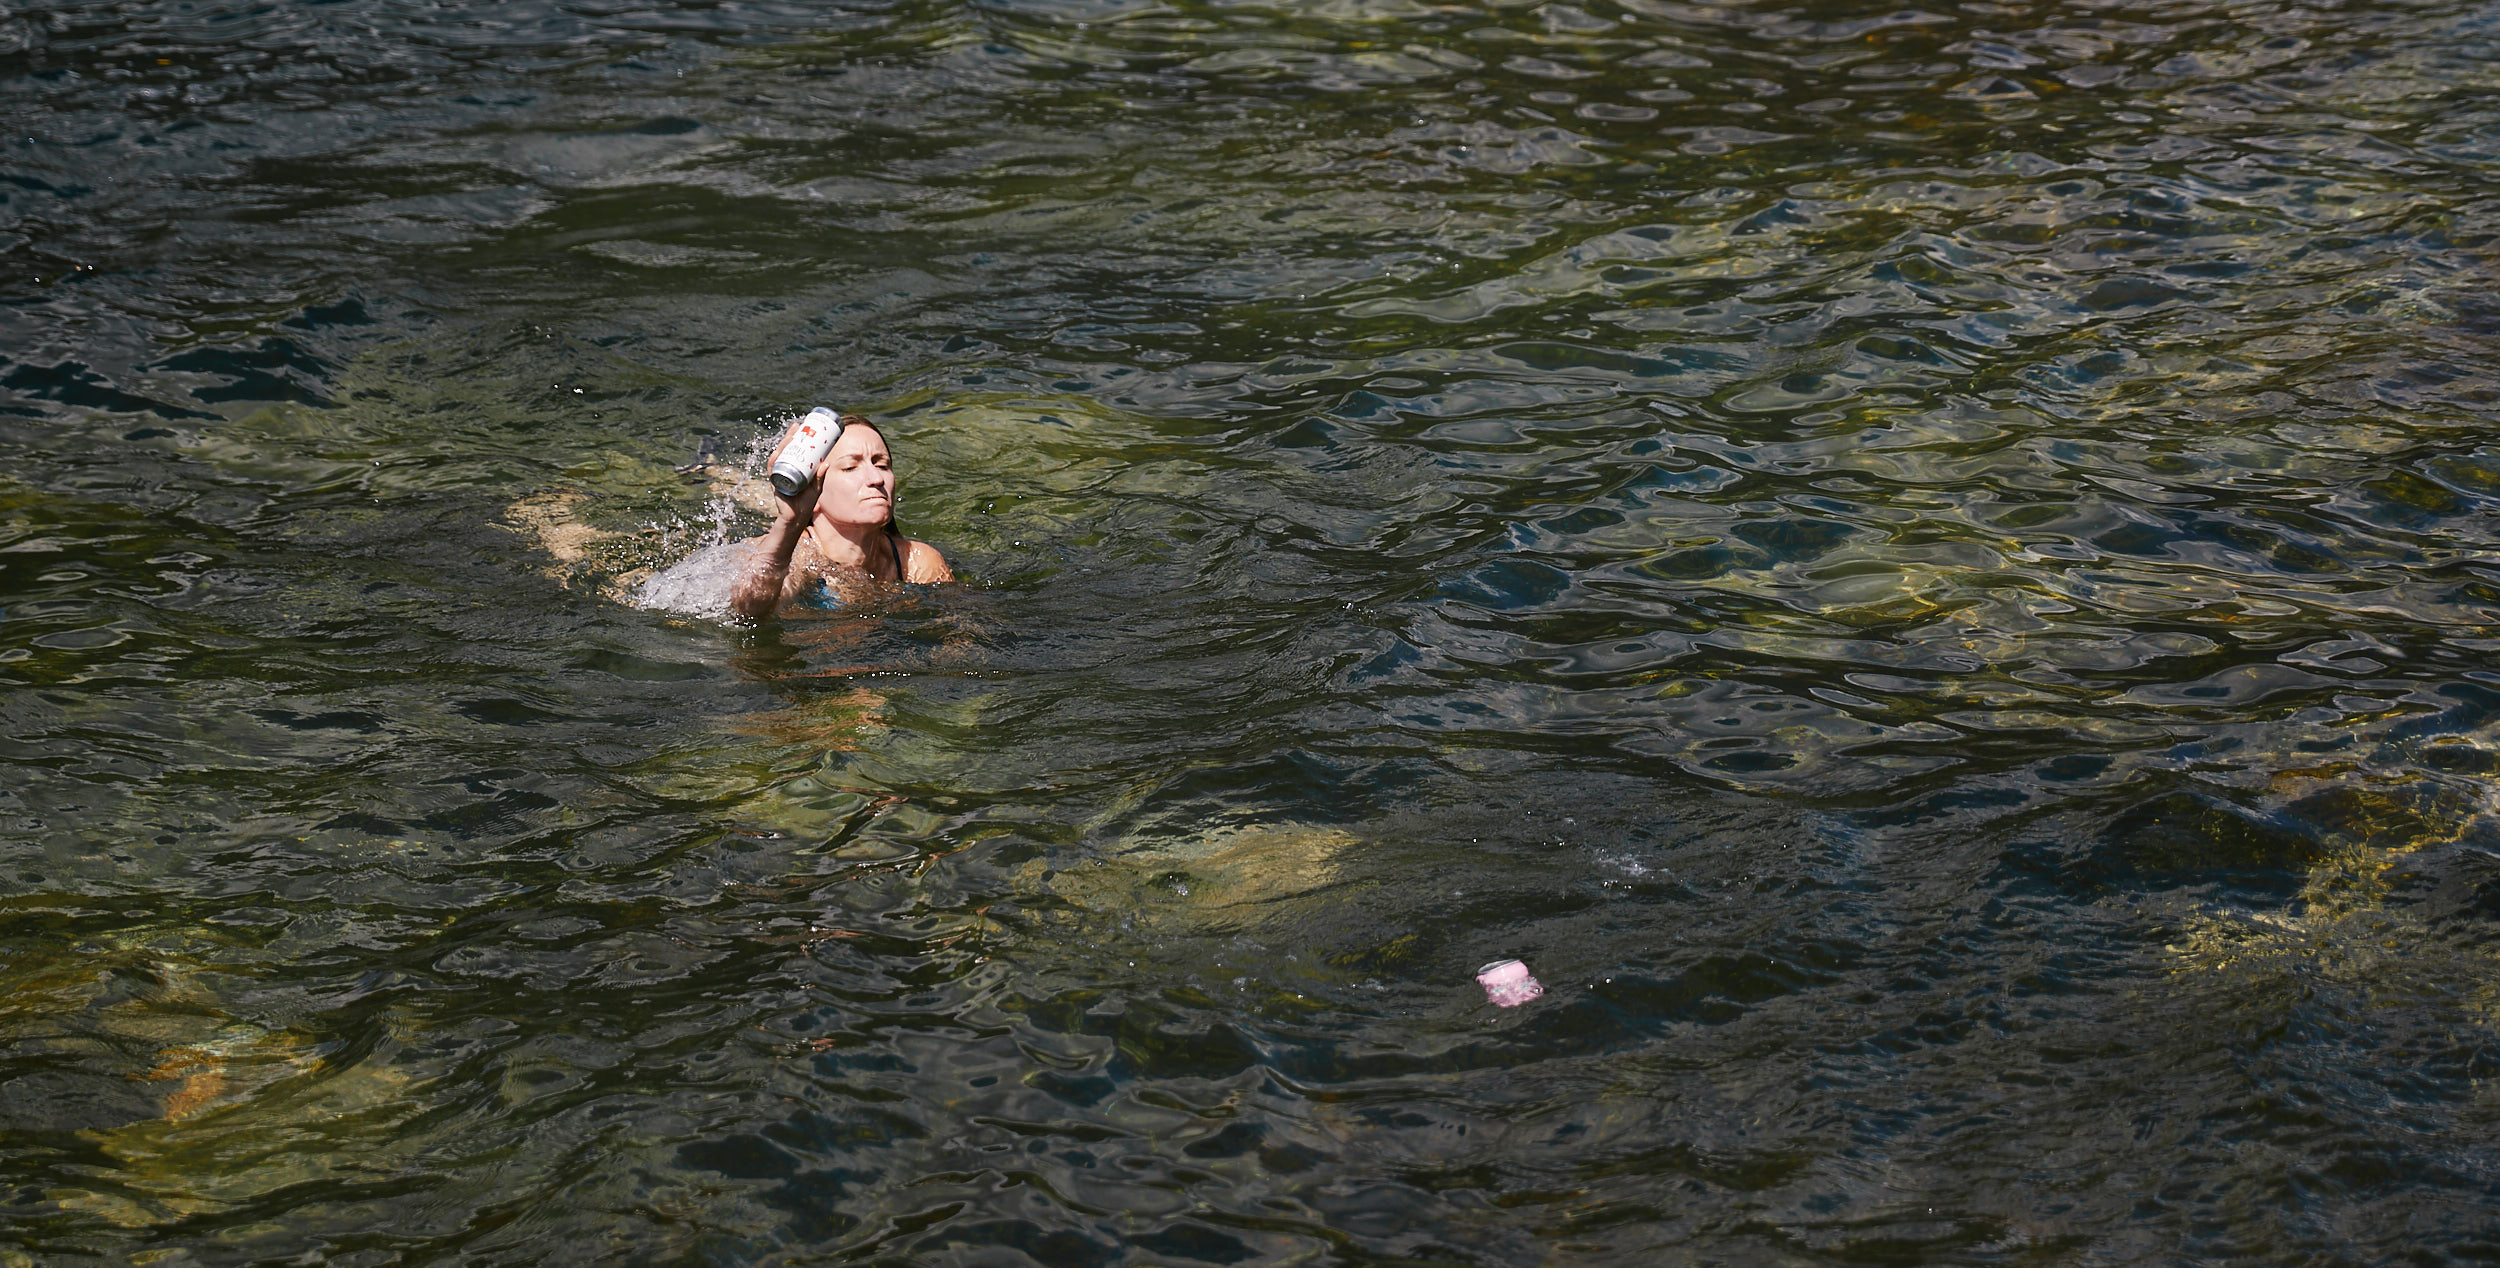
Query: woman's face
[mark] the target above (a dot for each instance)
(858, 480)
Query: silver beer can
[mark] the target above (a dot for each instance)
(809, 444)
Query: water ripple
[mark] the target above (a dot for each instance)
(1932, 572)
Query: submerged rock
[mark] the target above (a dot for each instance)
(1222, 880)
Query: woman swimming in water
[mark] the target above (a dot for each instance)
(838, 532)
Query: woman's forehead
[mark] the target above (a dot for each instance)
(860, 439)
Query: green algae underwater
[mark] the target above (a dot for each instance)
(1931, 571)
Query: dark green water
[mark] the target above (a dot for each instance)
(1931, 570)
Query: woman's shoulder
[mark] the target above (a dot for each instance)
(923, 565)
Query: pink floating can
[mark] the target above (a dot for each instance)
(814, 438)
(1507, 983)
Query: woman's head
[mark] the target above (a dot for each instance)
(856, 480)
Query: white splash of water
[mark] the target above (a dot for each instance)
(698, 585)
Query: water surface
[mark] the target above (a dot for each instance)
(1932, 571)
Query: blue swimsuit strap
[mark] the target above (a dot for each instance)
(817, 595)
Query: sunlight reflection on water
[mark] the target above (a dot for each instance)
(1932, 572)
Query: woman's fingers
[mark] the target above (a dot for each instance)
(786, 434)
(802, 503)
